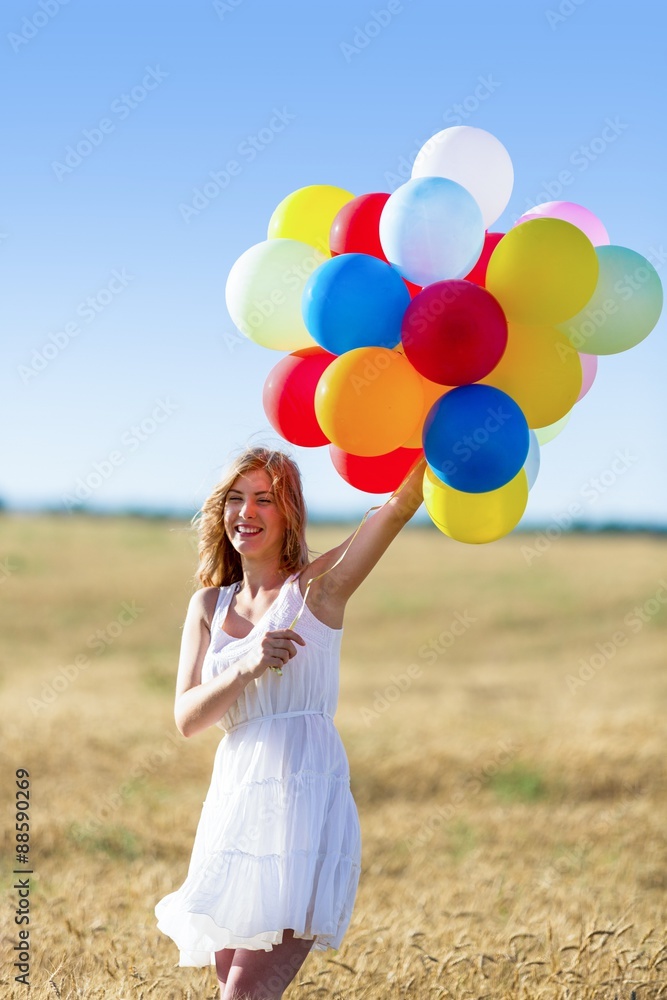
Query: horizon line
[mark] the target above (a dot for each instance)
(177, 513)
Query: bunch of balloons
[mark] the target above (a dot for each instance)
(411, 328)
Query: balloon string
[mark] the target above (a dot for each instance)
(398, 489)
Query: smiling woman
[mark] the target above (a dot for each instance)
(277, 854)
(262, 488)
(250, 511)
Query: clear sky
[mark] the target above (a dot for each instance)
(105, 273)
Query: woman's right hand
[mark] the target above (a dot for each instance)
(275, 650)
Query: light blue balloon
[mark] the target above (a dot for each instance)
(532, 464)
(431, 229)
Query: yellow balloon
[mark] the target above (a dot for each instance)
(475, 517)
(369, 400)
(543, 271)
(541, 371)
(307, 215)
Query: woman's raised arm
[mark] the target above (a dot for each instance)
(372, 539)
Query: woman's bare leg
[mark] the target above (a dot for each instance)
(264, 975)
(223, 961)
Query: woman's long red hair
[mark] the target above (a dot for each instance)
(219, 562)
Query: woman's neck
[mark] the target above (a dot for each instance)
(259, 579)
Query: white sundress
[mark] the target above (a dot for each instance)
(278, 844)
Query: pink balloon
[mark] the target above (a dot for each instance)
(569, 211)
(589, 366)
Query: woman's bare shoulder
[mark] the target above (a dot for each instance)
(203, 603)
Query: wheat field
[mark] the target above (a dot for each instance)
(503, 711)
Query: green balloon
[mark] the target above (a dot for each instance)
(624, 307)
(546, 434)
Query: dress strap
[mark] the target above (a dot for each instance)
(221, 604)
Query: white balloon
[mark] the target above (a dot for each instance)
(476, 160)
(264, 290)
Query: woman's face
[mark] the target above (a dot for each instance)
(253, 522)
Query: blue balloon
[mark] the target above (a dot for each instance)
(354, 300)
(475, 438)
(432, 229)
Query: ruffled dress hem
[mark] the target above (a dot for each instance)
(200, 936)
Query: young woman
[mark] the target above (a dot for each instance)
(276, 859)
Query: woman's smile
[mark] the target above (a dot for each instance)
(251, 496)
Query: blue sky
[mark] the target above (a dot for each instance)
(147, 379)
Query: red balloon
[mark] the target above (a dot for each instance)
(454, 332)
(478, 273)
(377, 474)
(356, 227)
(289, 394)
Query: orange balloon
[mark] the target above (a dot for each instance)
(369, 400)
(432, 391)
(541, 371)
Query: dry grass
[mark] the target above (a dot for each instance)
(514, 824)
